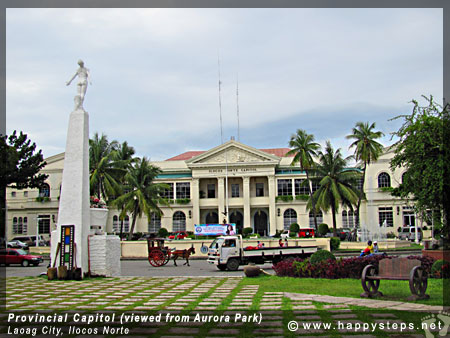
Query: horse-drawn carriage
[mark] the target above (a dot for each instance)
(159, 255)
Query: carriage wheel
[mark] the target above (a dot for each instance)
(418, 281)
(158, 258)
(151, 260)
(166, 257)
(370, 285)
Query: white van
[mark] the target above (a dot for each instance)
(409, 233)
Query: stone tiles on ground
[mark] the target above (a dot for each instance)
(197, 294)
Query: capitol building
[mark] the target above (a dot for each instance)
(258, 187)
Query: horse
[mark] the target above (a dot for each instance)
(183, 254)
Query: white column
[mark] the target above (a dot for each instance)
(246, 190)
(272, 209)
(221, 198)
(195, 197)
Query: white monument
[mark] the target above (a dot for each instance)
(74, 199)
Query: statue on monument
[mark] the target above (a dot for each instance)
(83, 78)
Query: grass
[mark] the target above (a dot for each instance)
(392, 290)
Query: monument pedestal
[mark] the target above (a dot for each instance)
(104, 253)
(74, 201)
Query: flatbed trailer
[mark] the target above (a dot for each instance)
(227, 253)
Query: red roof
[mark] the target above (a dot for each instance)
(280, 152)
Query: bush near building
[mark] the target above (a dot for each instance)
(163, 232)
(323, 229)
(335, 242)
(321, 255)
(247, 231)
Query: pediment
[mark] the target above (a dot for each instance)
(233, 152)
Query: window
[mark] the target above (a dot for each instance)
(385, 214)
(319, 217)
(25, 225)
(384, 180)
(44, 224)
(301, 187)
(211, 191)
(44, 190)
(13, 194)
(290, 216)
(404, 177)
(25, 194)
(259, 189)
(168, 193)
(359, 184)
(179, 221)
(344, 218)
(284, 187)
(155, 223)
(126, 224)
(212, 218)
(348, 218)
(235, 190)
(184, 190)
(116, 225)
(15, 225)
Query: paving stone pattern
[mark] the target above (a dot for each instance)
(195, 295)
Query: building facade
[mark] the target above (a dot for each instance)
(234, 183)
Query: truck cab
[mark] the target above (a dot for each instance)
(222, 248)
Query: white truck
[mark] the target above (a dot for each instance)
(228, 252)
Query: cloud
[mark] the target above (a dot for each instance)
(155, 72)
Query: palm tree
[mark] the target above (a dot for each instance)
(303, 149)
(124, 156)
(337, 182)
(103, 168)
(142, 194)
(367, 150)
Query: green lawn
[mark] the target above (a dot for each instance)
(392, 290)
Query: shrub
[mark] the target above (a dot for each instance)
(427, 262)
(247, 231)
(390, 235)
(321, 255)
(294, 227)
(440, 269)
(323, 229)
(285, 267)
(335, 242)
(425, 227)
(163, 232)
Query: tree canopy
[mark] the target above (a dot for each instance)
(421, 151)
(20, 167)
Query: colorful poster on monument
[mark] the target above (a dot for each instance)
(215, 229)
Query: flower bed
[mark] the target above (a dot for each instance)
(333, 269)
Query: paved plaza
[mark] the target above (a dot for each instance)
(206, 296)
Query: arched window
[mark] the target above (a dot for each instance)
(25, 225)
(126, 224)
(15, 225)
(179, 221)
(116, 224)
(155, 223)
(344, 218)
(290, 216)
(403, 177)
(319, 217)
(351, 218)
(384, 180)
(44, 190)
(212, 218)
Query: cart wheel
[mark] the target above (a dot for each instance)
(158, 258)
(151, 260)
(166, 258)
(370, 285)
(418, 281)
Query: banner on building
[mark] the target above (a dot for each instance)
(215, 229)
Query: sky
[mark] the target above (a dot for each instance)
(155, 73)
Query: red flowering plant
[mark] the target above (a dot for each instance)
(97, 203)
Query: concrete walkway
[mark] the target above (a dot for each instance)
(370, 303)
